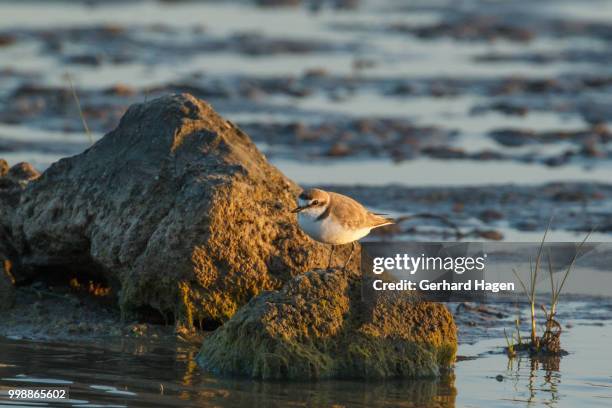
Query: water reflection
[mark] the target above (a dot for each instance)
(164, 374)
(542, 381)
(581, 378)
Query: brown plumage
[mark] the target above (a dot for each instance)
(351, 214)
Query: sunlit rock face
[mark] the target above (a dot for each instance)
(175, 209)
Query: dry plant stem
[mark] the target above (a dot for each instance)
(555, 290)
(553, 306)
(510, 343)
(78, 104)
(530, 292)
(518, 331)
(532, 298)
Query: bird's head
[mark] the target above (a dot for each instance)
(312, 201)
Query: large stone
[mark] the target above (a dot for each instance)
(176, 209)
(318, 326)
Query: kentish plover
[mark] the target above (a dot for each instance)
(335, 219)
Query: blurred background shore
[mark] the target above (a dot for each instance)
(494, 114)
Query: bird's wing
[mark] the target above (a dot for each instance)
(352, 214)
(377, 221)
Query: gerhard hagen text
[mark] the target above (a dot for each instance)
(407, 264)
(425, 285)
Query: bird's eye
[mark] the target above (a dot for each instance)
(314, 202)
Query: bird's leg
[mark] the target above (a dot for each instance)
(350, 255)
(331, 254)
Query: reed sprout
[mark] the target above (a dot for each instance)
(549, 342)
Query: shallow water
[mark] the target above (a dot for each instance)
(582, 378)
(450, 86)
(164, 374)
(435, 173)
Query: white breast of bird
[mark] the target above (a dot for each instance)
(329, 231)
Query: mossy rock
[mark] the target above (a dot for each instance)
(319, 327)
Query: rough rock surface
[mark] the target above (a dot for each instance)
(7, 290)
(175, 209)
(317, 326)
(12, 181)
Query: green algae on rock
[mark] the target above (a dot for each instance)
(318, 327)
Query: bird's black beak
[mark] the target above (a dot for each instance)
(298, 209)
(302, 207)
